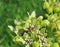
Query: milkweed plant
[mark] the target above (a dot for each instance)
(37, 31)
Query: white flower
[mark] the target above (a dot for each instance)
(40, 17)
(33, 14)
(28, 13)
(11, 27)
(27, 45)
(17, 22)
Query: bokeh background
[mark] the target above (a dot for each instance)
(15, 9)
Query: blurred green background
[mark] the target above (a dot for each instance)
(15, 9)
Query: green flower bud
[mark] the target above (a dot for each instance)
(58, 39)
(36, 44)
(18, 39)
(58, 26)
(58, 4)
(40, 17)
(57, 33)
(18, 28)
(27, 45)
(25, 35)
(46, 5)
(45, 23)
(17, 22)
(11, 28)
(49, 10)
(33, 15)
(53, 1)
(55, 45)
(56, 9)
